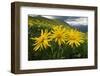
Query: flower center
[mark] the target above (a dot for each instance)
(42, 39)
(59, 35)
(73, 38)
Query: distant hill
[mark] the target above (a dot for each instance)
(82, 28)
(45, 22)
(39, 21)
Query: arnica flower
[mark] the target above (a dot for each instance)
(75, 38)
(42, 42)
(59, 34)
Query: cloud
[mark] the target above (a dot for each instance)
(78, 21)
(50, 17)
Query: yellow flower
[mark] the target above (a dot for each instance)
(42, 41)
(59, 34)
(75, 38)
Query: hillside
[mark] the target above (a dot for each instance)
(45, 22)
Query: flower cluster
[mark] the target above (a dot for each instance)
(59, 35)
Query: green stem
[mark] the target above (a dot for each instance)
(59, 52)
(52, 52)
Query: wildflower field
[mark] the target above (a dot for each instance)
(55, 39)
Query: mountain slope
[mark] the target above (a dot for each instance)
(45, 22)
